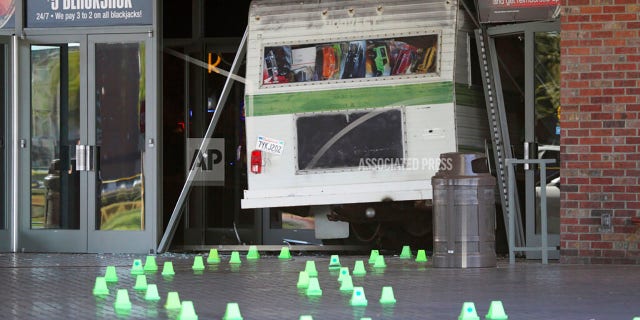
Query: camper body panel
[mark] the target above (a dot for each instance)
(367, 138)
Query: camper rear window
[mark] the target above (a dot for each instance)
(350, 60)
(346, 139)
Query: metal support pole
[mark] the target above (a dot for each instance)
(177, 210)
(15, 146)
(543, 212)
(512, 210)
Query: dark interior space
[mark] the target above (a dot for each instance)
(190, 95)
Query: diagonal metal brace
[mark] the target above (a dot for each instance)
(178, 209)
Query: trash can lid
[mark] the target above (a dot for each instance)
(453, 164)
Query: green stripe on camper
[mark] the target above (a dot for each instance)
(355, 98)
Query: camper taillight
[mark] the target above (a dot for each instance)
(256, 161)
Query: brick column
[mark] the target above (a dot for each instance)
(600, 124)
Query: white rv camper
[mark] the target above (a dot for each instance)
(349, 105)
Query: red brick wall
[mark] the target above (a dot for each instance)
(600, 130)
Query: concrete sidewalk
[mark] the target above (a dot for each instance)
(59, 286)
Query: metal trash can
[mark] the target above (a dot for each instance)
(463, 212)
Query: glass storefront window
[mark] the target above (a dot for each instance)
(55, 130)
(120, 128)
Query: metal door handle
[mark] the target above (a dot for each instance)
(80, 157)
(85, 158)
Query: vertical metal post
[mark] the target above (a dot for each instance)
(15, 146)
(177, 210)
(512, 211)
(543, 212)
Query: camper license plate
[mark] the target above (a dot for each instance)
(270, 145)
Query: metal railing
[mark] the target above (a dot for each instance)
(544, 248)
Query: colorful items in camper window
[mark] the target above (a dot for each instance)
(303, 64)
(328, 59)
(277, 65)
(404, 58)
(378, 59)
(350, 60)
(353, 62)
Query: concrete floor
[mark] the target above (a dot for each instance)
(59, 286)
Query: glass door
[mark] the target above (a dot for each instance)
(86, 146)
(54, 90)
(528, 56)
(119, 86)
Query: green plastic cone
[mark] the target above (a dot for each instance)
(198, 263)
(110, 274)
(380, 262)
(468, 312)
(122, 301)
(310, 268)
(100, 287)
(141, 282)
(314, 287)
(344, 271)
(406, 252)
(358, 298)
(373, 256)
(306, 317)
(303, 280)
(347, 284)
(358, 269)
(213, 256)
(284, 253)
(253, 253)
(334, 262)
(232, 312)
(187, 311)
(173, 301)
(167, 269)
(496, 311)
(150, 264)
(152, 293)
(137, 267)
(387, 296)
(421, 256)
(235, 258)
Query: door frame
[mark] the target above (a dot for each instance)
(87, 239)
(5, 146)
(532, 239)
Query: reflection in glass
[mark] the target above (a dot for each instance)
(120, 107)
(547, 126)
(547, 87)
(55, 123)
